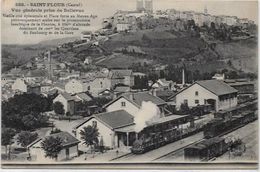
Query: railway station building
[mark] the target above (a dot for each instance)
(115, 128)
(216, 93)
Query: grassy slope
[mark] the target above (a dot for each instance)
(170, 49)
(121, 61)
(167, 47)
(243, 54)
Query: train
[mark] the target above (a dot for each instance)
(210, 148)
(165, 131)
(220, 126)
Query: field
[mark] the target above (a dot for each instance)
(243, 54)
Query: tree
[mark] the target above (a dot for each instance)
(90, 135)
(26, 137)
(15, 111)
(29, 121)
(58, 108)
(229, 63)
(55, 130)
(212, 26)
(52, 147)
(7, 139)
(162, 74)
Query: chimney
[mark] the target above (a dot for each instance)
(183, 77)
(131, 96)
(153, 92)
(50, 67)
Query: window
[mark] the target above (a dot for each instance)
(123, 104)
(185, 101)
(197, 101)
(196, 93)
(205, 101)
(101, 84)
(88, 87)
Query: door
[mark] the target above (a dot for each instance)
(212, 102)
(67, 153)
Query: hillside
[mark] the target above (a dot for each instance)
(146, 46)
(16, 55)
(164, 46)
(177, 47)
(243, 54)
(59, 41)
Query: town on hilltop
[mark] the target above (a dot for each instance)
(150, 86)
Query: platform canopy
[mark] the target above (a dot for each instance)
(126, 129)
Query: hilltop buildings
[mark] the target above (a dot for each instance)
(144, 5)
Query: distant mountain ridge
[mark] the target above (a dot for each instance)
(58, 41)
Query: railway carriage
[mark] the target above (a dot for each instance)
(209, 148)
(220, 126)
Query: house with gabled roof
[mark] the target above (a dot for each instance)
(123, 76)
(218, 94)
(83, 97)
(163, 84)
(69, 147)
(110, 126)
(21, 85)
(93, 85)
(131, 102)
(69, 102)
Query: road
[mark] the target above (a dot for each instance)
(248, 134)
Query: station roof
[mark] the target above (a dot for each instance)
(113, 120)
(166, 119)
(217, 87)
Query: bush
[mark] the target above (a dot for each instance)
(58, 108)
(55, 130)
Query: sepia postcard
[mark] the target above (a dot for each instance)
(154, 84)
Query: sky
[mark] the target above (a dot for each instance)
(106, 8)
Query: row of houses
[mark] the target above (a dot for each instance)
(127, 20)
(202, 18)
(75, 83)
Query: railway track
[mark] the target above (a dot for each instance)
(180, 150)
(125, 156)
(177, 150)
(174, 152)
